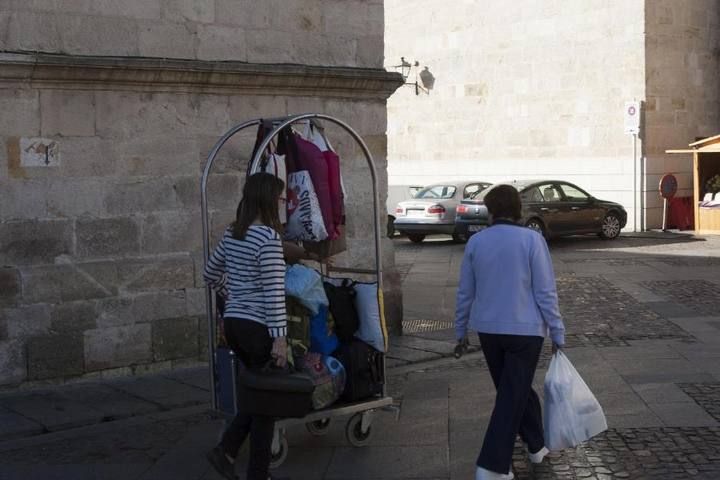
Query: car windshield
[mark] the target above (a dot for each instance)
(481, 194)
(437, 191)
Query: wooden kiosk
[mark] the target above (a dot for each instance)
(706, 164)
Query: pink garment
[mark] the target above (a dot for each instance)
(336, 194)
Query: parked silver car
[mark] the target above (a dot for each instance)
(432, 210)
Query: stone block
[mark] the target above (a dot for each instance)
(172, 232)
(271, 46)
(370, 52)
(224, 191)
(139, 308)
(192, 10)
(139, 194)
(196, 299)
(13, 362)
(67, 113)
(34, 241)
(147, 156)
(34, 31)
(117, 346)
(74, 316)
(99, 237)
(166, 41)
(148, 307)
(299, 16)
(96, 35)
(22, 107)
(88, 197)
(175, 338)
(138, 9)
(10, 286)
(88, 157)
(222, 43)
(27, 320)
(69, 282)
(244, 13)
(352, 18)
(55, 355)
(168, 273)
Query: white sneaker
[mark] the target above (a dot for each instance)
(485, 474)
(538, 456)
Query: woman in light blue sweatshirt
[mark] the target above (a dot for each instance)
(507, 294)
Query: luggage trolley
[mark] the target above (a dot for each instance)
(359, 427)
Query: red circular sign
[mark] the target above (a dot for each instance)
(668, 186)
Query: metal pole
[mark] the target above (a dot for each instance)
(664, 222)
(206, 250)
(635, 184)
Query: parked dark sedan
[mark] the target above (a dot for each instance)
(553, 208)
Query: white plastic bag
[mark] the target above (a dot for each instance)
(305, 221)
(572, 413)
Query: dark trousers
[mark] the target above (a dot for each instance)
(512, 360)
(252, 344)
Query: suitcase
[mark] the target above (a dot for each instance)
(363, 370)
(274, 394)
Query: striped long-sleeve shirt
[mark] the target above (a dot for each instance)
(255, 277)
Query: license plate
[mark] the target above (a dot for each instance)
(416, 213)
(475, 228)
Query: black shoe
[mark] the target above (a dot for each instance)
(222, 465)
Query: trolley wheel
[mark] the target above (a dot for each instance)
(354, 433)
(278, 457)
(318, 427)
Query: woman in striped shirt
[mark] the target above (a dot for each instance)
(249, 258)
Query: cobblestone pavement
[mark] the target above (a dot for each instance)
(601, 314)
(707, 395)
(701, 296)
(638, 453)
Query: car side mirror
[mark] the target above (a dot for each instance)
(591, 200)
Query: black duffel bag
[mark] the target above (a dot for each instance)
(274, 392)
(342, 308)
(363, 370)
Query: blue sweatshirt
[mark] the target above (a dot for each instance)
(507, 285)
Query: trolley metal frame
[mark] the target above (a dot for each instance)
(359, 426)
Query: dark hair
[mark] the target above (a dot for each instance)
(503, 201)
(261, 194)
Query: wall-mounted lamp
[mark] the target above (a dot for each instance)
(427, 79)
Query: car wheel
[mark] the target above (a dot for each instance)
(537, 225)
(610, 228)
(416, 237)
(390, 226)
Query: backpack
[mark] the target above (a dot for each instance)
(342, 307)
(363, 370)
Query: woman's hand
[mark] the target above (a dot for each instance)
(556, 348)
(279, 351)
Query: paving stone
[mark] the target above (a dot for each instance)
(683, 414)
(661, 393)
(165, 393)
(112, 403)
(412, 355)
(74, 472)
(15, 425)
(398, 462)
(196, 377)
(51, 409)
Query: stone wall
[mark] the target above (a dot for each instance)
(520, 92)
(683, 88)
(101, 157)
(307, 32)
